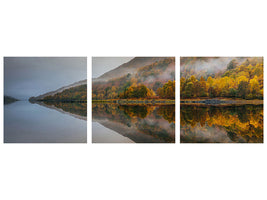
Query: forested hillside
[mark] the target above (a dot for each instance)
(73, 92)
(238, 80)
(78, 93)
(156, 80)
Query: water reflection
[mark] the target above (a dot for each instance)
(208, 124)
(139, 123)
(25, 122)
(75, 109)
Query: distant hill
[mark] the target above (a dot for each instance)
(8, 99)
(74, 92)
(151, 72)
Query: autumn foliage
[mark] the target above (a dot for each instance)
(144, 83)
(243, 81)
(140, 91)
(167, 91)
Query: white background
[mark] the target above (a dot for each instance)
(132, 28)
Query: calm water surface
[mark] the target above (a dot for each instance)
(221, 124)
(25, 122)
(113, 123)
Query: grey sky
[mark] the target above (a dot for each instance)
(31, 76)
(101, 65)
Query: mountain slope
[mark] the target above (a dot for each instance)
(153, 76)
(129, 67)
(75, 91)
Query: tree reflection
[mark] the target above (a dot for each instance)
(74, 108)
(167, 112)
(244, 121)
(156, 121)
(136, 110)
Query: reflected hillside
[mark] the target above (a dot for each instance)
(140, 123)
(75, 109)
(9, 100)
(222, 124)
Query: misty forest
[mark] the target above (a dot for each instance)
(221, 99)
(153, 81)
(135, 102)
(242, 80)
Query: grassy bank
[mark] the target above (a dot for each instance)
(220, 101)
(136, 101)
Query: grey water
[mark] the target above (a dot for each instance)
(25, 122)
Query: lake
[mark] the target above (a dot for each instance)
(25, 122)
(114, 123)
(221, 124)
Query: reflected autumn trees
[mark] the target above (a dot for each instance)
(244, 121)
(74, 108)
(155, 121)
(139, 111)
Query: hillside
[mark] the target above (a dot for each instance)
(74, 92)
(210, 66)
(143, 81)
(129, 67)
(239, 78)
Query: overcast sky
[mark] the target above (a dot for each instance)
(101, 65)
(31, 76)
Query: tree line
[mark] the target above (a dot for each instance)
(136, 91)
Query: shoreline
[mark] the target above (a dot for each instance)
(135, 101)
(220, 102)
